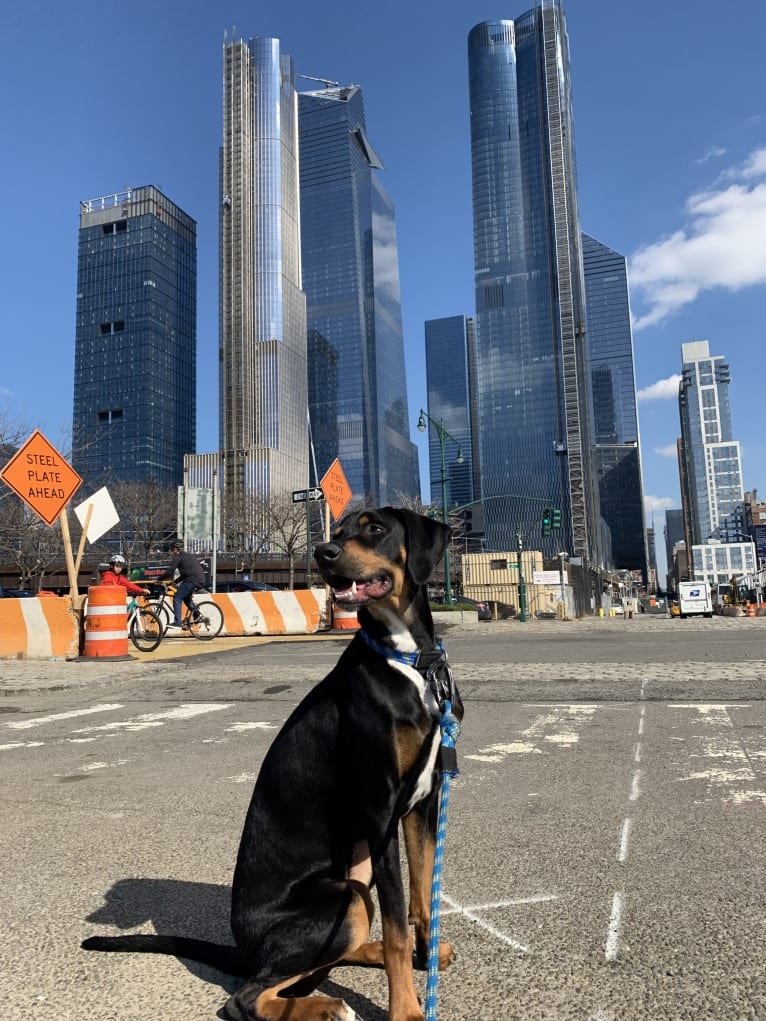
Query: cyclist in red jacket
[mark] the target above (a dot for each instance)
(115, 576)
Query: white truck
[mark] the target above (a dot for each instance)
(694, 599)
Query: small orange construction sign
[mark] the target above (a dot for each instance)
(41, 477)
(336, 489)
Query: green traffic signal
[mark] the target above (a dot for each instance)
(556, 519)
(547, 517)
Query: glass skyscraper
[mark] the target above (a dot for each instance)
(710, 459)
(451, 376)
(533, 385)
(263, 385)
(616, 451)
(135, 341)
(357, 386)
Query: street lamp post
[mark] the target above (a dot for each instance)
(442, 433)
(562, 557)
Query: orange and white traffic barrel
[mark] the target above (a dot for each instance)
(344, 619)
(106, 622)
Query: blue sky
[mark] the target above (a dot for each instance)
(671, 150)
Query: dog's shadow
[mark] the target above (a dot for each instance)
(201, 911)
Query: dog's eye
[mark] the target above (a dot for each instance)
(375, 529)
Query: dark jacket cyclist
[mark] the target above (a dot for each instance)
(191, 577)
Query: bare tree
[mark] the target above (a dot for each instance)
(28, 543)
(148, 515)
(287, 528)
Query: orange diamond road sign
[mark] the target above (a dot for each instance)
(336, 489)
(41, 477)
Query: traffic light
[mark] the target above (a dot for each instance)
(556, 519)
(547, 518)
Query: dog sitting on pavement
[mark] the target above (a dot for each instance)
(356, 760)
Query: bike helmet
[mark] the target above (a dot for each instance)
(117, 560)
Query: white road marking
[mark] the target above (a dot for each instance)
(26, 724)
(21, 744)
(90, 767)
(727, 765)
(615, 925)
(236, 727)
(635, 787)
(472, 913)
(622, 854)
(243, 778)
(559, 726)
(183, 712)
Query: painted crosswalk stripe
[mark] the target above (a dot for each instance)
(70, 715)
(183, 712)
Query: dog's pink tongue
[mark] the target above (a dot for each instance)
(361, 591)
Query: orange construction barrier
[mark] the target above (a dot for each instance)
(344, 619)
(750, 610)
(106, 622)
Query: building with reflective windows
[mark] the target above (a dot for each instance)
(358, 395)
(532, 380)
(616, 448)
(263, 385)
(709, 457)
(134, 413)
(451, 385)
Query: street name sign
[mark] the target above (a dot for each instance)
(336, 489)
(302, 495)
(41, 477)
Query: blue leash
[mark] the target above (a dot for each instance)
(450, 728)
(450, 731)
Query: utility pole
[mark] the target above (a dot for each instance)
(522, 583)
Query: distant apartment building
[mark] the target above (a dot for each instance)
(263, 368)
(357, 386)
(451, 387)
(710, 465)
(134, 414)
(616, 450)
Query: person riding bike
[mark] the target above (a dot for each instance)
(115, 576)
(191, 577)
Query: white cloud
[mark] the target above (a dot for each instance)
(713, 153)
(662, 390)
(720, 246)
(658, 503)
(669, 451)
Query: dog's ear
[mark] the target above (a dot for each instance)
(426, 542)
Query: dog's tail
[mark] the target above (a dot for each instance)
(228, 959)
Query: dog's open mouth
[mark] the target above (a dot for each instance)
(359, 592)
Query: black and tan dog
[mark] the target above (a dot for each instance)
(355, 759)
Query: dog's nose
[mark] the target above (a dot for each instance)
(327, 551)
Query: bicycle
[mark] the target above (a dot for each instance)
(144, 626)
(204, 620)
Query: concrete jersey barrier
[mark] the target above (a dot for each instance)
(39, 629)
(298, 612)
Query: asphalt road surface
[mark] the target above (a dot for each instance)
(605, 853)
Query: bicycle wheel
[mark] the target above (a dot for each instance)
(207, 623)
(163, 612)
(146, 629)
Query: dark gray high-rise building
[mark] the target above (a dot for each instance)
(135, 342)
(263, 381)
(533, 384)
(616, 450)
(451, 384)
(674, 533)
(357, 386)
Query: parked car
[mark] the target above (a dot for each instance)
(245, 586)
(16, 593)
(504, 610)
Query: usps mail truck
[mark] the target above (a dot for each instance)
(694, 599)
